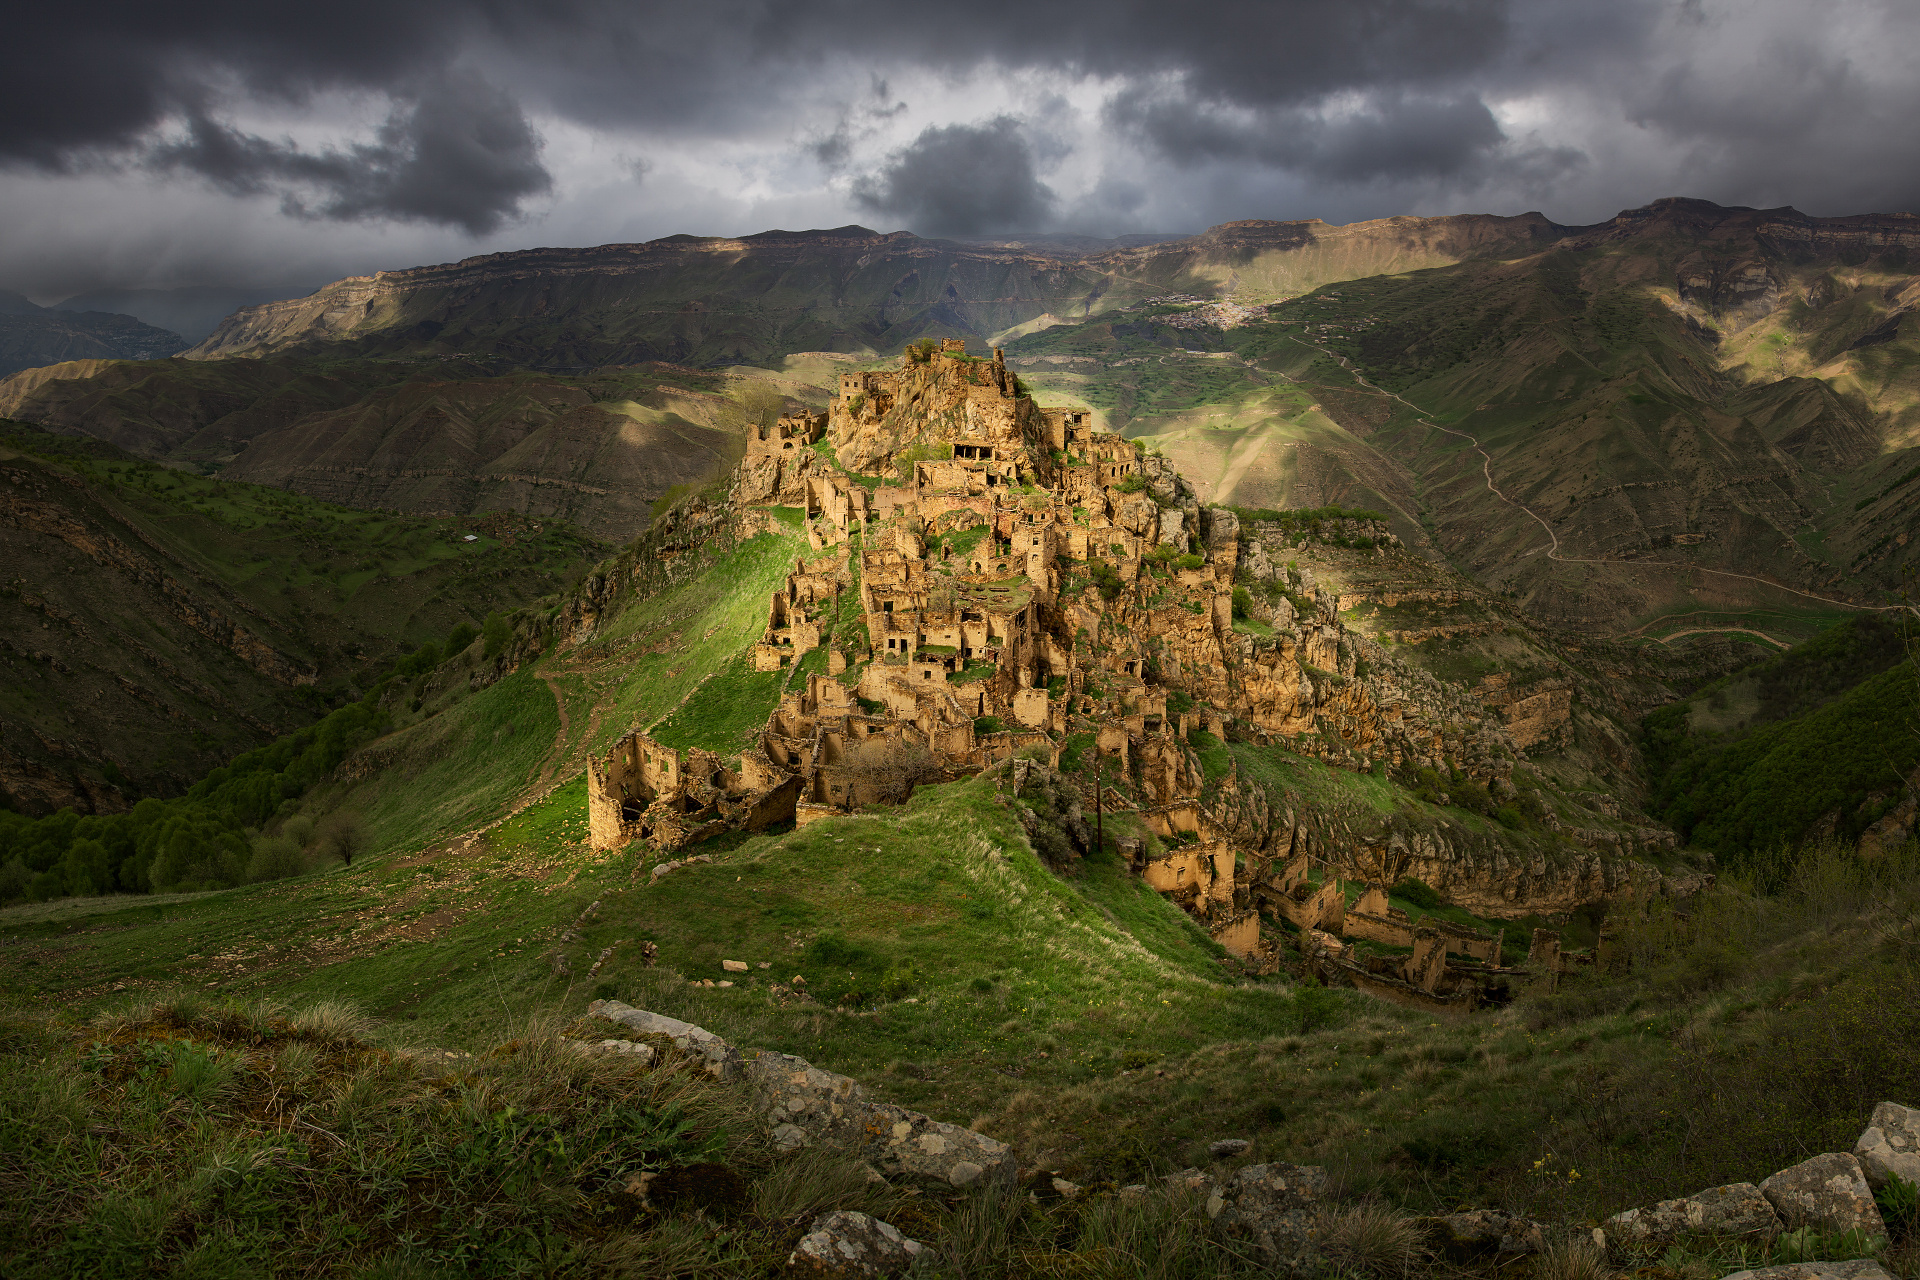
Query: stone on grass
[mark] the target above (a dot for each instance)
(1737, 1209)
(627, 1048)
(803, 1105)
(720, 1059)
(1858, 1269)
(1227, 1148)
(844, 1243)
(1890, 1147)
(1278, 1205)
(1828, 1193)
(734, 966)
(1483, 1233)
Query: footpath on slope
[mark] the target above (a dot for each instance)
(1553, 550)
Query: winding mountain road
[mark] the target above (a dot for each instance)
(1553, 549)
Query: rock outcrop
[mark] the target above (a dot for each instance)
(1828, 1193)
(803, 1105)
(1738, 1209)
(1890, 1147)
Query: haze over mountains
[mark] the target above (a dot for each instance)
(32, 335)
(1680, 407)
(193, 311)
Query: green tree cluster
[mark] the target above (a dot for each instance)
(209, 838)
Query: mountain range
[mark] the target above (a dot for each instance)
(32, 335)
(1685, 412)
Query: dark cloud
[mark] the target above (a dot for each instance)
(961, 180)
(1240, 108)
(458, 151)
(97, 75)
(1399, 136)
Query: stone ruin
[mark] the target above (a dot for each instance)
(1020, 578)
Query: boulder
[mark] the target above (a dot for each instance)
(1738, 1209)
(844, 1243)
(1858, 1269)
(1278, 1205)
(806, 1106)
(1482, 1233)
(720, 1059)
(1891, 1145)
(1827, 1193)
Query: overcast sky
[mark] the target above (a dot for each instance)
(230, 142)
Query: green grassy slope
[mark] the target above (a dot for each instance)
(160, 621)
(1816, 741)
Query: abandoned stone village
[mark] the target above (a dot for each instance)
(996, 581)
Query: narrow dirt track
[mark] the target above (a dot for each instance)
(1553, 549)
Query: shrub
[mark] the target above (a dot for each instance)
(1417, 891)
(498, 632)
(275, 858)
(1313, 1008)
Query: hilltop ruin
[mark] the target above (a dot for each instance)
(993, 579)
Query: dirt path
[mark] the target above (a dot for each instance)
(559, 753)
(1553, 549)
(1745, 631)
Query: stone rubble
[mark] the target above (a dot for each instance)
(1478, 1233)
(1738, 1209)
(1857, 1269)
(1831, 1193)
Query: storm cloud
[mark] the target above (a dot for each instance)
(160, 143)
(458, 152)
(961, 180)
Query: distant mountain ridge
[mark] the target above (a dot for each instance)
(32, 336)
(717, 301)
(1685, 409)
(192, 312)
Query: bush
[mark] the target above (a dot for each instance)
(459, 638)
(498, 632)
(1418, 892)
(275, 858)
(1313, 1008)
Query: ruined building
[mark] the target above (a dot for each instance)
(993, 578)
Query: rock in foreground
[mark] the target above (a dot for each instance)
(843, 1243)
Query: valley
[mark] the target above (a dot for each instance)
(1425, 700)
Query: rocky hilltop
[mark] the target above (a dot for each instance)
(995, 580)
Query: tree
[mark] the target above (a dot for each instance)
(889, 768)
(498, 632)
(344, 835)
